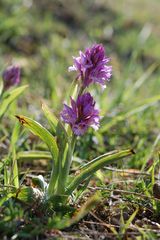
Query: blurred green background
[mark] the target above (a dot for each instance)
(43, 35)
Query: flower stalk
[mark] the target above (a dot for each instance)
(67, 163)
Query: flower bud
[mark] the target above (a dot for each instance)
(11, 76)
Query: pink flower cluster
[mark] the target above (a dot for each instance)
(92, 68)
(81, 114)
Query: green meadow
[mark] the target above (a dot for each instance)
(120, 200)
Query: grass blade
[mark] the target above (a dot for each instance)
(14, 170)
(10, 97)
(129, 221)
(146, 103)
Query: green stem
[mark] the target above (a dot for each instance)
(67, 164)
(60, 184)
(52, 183)
(64, 171)
(96, 165)
(80, 90)
(54, 177)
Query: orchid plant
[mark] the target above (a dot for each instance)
(9, 92)
(76, 117)
(8, 87)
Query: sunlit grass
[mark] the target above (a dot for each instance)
(42, 38)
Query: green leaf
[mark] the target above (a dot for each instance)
(12, 152)
(95, 165)
(52, 119)
(10, 97)
(29, 194)
(3, 199)
(32, 155)
(88, 164)
(55, 123)
(42, 133)
(62, 141)
(39, 182)
(6, 175)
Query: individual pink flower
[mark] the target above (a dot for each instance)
(81, 115)
(92, 66)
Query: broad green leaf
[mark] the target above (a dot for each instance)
(29, 195)
(42, 133)
(96, 165)
(40, 182)
(88, 164)
(10, 97)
